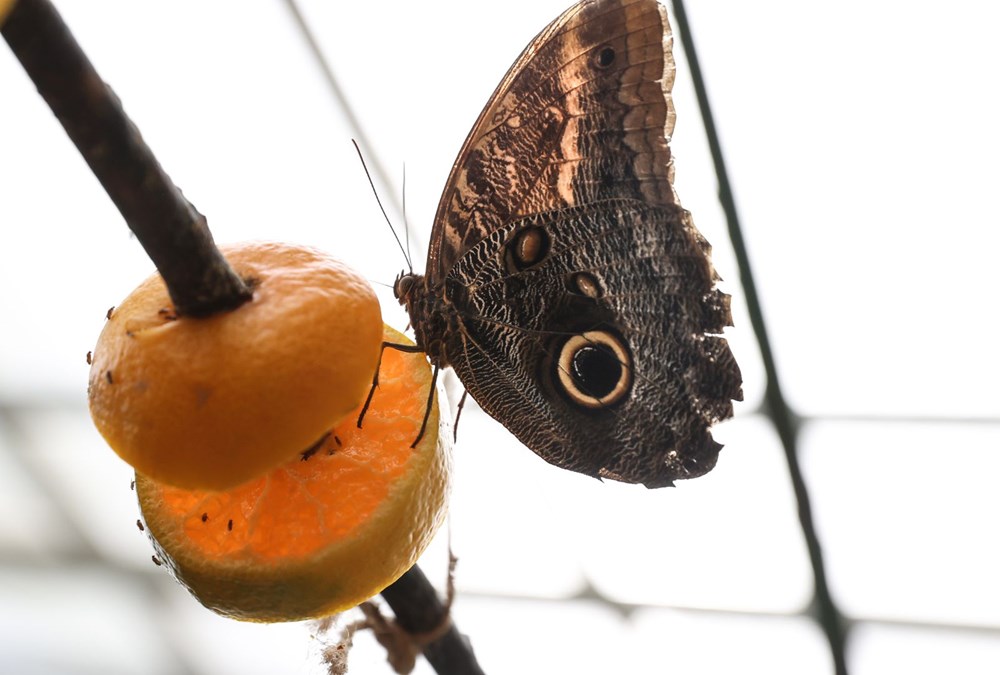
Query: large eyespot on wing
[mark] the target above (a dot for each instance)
(593, 369)
(584, 114)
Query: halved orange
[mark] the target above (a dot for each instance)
(213, 402)
(326, 530)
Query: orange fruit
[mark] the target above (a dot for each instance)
(213, 402)
(5, 7)
(319, 534)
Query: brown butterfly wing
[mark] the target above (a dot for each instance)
(566, 286)
(584, 114)
(620, 274)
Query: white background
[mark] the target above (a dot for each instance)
(862, 142)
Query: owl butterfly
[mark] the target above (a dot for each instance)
(565, 284)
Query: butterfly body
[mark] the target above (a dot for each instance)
(565, 285)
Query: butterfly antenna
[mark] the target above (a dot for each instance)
(405, 252)
(406, 222)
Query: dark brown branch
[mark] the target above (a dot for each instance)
(420, 612)
(174, 234)
(177, 239)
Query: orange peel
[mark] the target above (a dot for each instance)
(213, 402)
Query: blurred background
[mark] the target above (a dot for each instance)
(862, 142)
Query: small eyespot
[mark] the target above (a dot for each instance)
(586, 284)
(527, 248)
(595, 369)
(604, 57)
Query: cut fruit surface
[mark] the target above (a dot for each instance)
(326, 530)
(213, 402)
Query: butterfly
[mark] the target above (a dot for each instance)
(565, 284)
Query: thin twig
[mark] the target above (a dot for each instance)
(785, 421)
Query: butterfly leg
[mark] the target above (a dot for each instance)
(458, 411)
(314, 448)
(427, 411)
(411, 349)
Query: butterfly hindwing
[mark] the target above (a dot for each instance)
(621, 273)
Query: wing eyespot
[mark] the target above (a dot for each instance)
(585, 284)
(528, 247)
(594, 369)
(605, 57)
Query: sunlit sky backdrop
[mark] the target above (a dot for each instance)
(862, 143)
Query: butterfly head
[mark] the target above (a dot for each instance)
(404, 285)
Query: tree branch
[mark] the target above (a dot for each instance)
(420, 612)
(174, 234)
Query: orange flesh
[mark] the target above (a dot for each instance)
(308, 504)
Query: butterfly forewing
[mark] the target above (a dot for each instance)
(583, 114)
